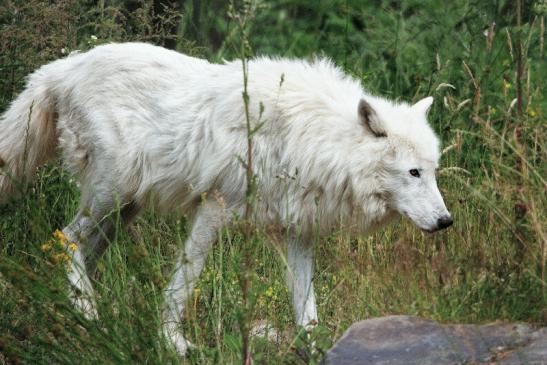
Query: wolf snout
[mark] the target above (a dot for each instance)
(444, 222)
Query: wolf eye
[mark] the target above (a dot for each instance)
(414, 172)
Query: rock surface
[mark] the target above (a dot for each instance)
(409, 340)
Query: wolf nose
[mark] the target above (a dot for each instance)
(444, 222)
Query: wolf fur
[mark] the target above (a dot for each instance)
(140, 125)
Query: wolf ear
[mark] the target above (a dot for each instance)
(422, 106)
(369, 118)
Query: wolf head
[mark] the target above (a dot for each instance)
(411, 154)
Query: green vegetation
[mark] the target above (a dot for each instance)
(475, 57)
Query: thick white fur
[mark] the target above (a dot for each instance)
(144, 125)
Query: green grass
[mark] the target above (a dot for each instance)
(489, 266)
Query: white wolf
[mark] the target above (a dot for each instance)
(142, 125)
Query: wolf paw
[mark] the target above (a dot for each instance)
(86, 306)
(264, 329)
(177, 340)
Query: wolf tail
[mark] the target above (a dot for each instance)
(27, 135)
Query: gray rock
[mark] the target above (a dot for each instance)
(406, 340)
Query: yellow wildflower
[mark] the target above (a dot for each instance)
(532, 112)
(46, 246)
(269, 292)
(60, 236)
(60, 257)
(73, 246)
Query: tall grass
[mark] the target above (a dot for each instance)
(489, 266)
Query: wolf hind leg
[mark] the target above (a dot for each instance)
(78, 232)
(91, 230)
(210, 217)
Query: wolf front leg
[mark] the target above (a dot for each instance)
(210, 217)
(300, 282)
